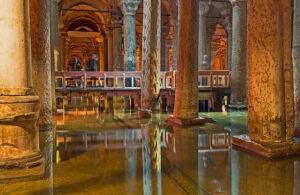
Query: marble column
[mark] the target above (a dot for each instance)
(186, 94)
(228, 27)
(110, 51)
(175, 36)
(117, 41)
(202, 50)
(41, 58)
(296, 61)
(150, 85)
(270, 73)
(129, 12)
(238, 72)
(55, 48)
(19, 108)
(163, 48)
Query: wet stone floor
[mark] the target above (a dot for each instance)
(91, 153)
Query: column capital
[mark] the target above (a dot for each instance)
(108, 30)
(236, 2)
(204, 6)
(116, 17)
(129, 7)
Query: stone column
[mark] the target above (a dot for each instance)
(139, 55)
(186, 94)
(117, 41)
(19, 135)
(101, 57)
(129, 11)
(150, 85)
(296, 61)
(41, 58)
(55, 49)
(228, 27)
(238, 73)
(270, 73)
(110, 51)
(62, 53)
(202, 50)
(164, 35)
(175, 36)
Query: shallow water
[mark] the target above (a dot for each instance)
(88, 153)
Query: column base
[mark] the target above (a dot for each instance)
(237, 107)
(145, 114)
(183, 122)
(270, 151)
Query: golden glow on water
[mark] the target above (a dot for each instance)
(104, 154)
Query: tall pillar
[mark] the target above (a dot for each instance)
(62, 53)
(164, 35)
(296, 61)
(202, 50)
(129, 11)
(270, 73)
(175, 36)
(186, 94)
(110, 51)
(41, 58)
(117, 41)
(139, 55)
(19, 109)
(150, 85)
(55, 49)
(101, 57)
(238, 72)
(228, 27)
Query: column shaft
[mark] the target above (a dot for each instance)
(110, 47)
(175, 37)
(296, 61)
(150, 87)
(229, 48)
(117, 42)
(41, 57)
(271, 114)
(238, 73)
(186, 94)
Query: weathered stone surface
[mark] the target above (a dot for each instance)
(296, 60)
(273, 151)
(150, 85)
(270, 92)
(202, 50)
(41, 57)
(175, 36)
(129, 12)
(186, 94)
(117, 41)
(238, 67)
(110, 52)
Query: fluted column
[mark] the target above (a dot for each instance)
(270, 73)
(41, 58)
(117, 40)
(202, 50)
(19, 135)
(296, 61)
(129, 12)
(150, 87)
(110, 51)
(186, 95)
(238, 73)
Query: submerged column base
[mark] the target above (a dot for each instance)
(271, 151)
(145, 114)
(19, 136)
(183, 122)
(237, 107)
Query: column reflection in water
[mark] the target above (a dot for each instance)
(131, 162)
(152, 157)
(297, 177)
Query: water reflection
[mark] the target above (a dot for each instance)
(128, 156)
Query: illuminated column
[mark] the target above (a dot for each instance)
(296, 61)
(110, 55)
(117, 41)
(270, 73)
(164, 35)
(139, 54)
(41, 58)
(19, 109)
(150, 85)
(62, 53)
(66, 53)
(129, 11)
(202, 50)
(101, 57)
(238, 73)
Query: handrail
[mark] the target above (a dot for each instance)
(131, 80)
